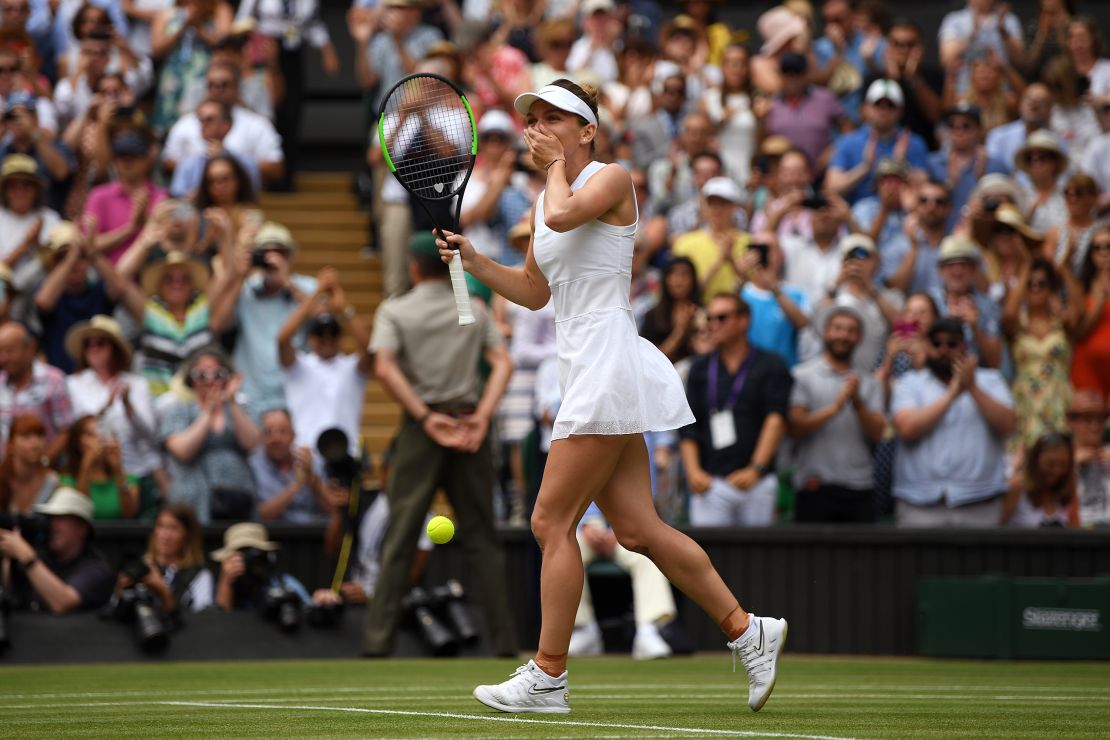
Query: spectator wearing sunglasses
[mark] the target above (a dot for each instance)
(959, 262)
(208, 435)
(1087, 416)
(323, 386)
(951, 419)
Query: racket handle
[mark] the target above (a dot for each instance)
(462, 295)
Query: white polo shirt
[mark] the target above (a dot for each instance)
(252, 137)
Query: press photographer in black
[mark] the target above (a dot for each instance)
(58, 570)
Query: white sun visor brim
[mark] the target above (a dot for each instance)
(559, 97)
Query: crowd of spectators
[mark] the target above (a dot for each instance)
(883, 272)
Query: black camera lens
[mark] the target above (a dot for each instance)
(433, 633)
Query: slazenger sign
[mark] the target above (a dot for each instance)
(1068, 620)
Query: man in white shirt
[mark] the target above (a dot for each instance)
(252, 137)
(324, 388)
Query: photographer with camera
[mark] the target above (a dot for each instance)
(58, 569)
(323, 387)
(249, 578)
(173, 565)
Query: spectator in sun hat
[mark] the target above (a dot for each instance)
(259, 300)
(24, 218)
(782, 31)
(1044, 161)
(70, 293)
(122, 207)
(959, 262)
(856, 155)
(207, 436)
(172, 308)
(69, 574)
(104, 386)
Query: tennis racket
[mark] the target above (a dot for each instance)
(428, 138)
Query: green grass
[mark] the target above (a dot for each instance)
(611, 697)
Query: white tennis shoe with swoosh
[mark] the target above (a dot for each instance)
(758, 650)
(529, 689)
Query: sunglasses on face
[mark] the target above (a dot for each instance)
(94, 342)
(329, 333)
(1087, 417)
(715, 318)
(938, 201)
(8, 70)
(859, 253)
(903, 43)
(1100, 246)
(949, 343)
(208, 376)
(1042, 157)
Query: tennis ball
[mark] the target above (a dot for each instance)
(441, 530)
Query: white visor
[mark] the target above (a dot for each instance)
(559, 97)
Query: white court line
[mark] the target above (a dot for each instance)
(496, 718)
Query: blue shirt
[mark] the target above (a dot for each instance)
(960, 461)
(260, 317)
(892, 242)
(848, 153)
(770, 329)
(824, 50)
(272, 480)
(961, 190)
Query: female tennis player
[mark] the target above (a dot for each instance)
(616, 386)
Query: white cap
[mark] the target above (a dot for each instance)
(888, 89)
(67, 501)
(722, 187)
(853, 242)
(588, 7)
(496, 119)
(559, 97)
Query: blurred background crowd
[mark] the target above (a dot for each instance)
(878, 246)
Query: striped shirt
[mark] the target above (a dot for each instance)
(166, 342)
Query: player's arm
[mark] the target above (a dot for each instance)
(606, 191)
(525, 286)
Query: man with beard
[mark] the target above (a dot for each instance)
(835, 416)
(952, 419)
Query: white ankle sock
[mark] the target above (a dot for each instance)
(750, 630)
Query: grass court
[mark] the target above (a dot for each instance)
(611, 697)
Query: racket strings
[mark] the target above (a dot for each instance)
(431, 152)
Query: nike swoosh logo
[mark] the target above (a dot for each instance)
(535, 689)
(759, 647)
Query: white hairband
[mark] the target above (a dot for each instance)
(559, 97)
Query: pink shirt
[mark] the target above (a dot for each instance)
(111, 206)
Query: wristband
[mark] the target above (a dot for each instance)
(30, 563)
(552, 162)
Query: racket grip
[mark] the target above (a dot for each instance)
(462, 295)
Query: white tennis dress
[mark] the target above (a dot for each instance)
(613, 381)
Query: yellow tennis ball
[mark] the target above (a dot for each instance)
(441, 530)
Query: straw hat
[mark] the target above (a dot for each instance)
(777, 27)
(58, 239)
(22, 167)
(957, 249)
(151, 279)
(272, 234)
(106, 325)
(1043, 141)
(241, 536)
(1007, 215)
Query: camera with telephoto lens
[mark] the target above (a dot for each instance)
(140, 607)
(278, 602)
(437, 637)
(339, 466)
(33, 528)
(451, 601)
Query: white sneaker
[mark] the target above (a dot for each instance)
(759, 652)
(529, 689)
(648, 644)
(586, 640)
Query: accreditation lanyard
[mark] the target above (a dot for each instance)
(722, 427)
